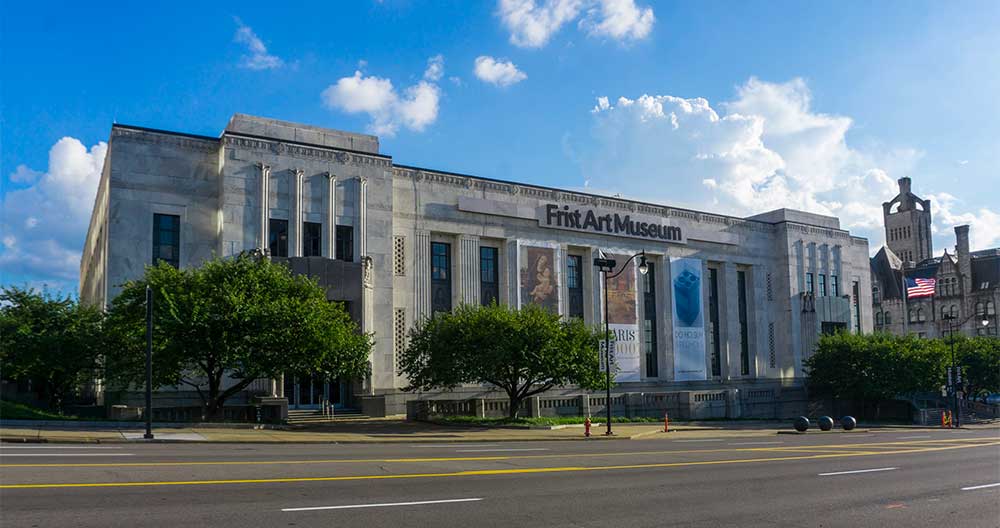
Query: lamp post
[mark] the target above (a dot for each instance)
(953, 375)
(605, 266)
(149, 363)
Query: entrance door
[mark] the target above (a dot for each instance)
(305, 392)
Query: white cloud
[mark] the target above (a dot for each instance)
(532, 23)
(619, 19)
(984, 224)
(499, 73)
(766, 149)
(22, 174)
(415, 109)
(258, 57)
(45, 224)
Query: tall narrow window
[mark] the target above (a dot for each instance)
(277, 231)
(167, 239)
(822, 285)
(574, 283)
(311, 237)
(834, 286)
(649, 321)
(489, 276)
(345, 243)
(741, 284)
(440, 277)
(810, 287)
(856, 295)
(713, 321)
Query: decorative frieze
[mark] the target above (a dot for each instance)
(169, 140)
(302, 151)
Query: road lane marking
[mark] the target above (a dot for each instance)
(62, 446)
(857, 471)
(914, 437)
(502, 449)
(902, 447)
(753, 443)
(453, 445)
(45, 455)
(380, 505)
(470, 473)
(701, 440)
(970, 488)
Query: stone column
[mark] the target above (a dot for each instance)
(469, 270)
(729, 315)
(265, 213)
(295, 222)
(362, 218)
(421, 275)
(330, 251)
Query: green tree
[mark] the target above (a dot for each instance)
(55, 342)
(243, 318)
(521, 352)
(979, 358)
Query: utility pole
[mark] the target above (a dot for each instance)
(149, 363)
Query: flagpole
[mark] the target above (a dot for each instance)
(906, 313)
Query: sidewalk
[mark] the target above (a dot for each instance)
(395, 430)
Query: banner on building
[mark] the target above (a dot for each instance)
(689, 321)
(538, 277)
(623, 321)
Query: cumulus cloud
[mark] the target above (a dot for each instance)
(497, 72)
(766, 149)
(532, 23)
(984, 224)
(415, 108)
(45, 224)
(257, 57)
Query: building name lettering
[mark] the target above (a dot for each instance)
(610, 223)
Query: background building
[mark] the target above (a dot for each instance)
(734, 303)
(967, 283)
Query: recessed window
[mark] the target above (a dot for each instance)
(277, 233)
(167, 239)
(649, 337)
(440, 277)
(822, 285)
(835, 286)
(715, 347)
(574, 283)
(741, 284)
(345, 243)
(489, 275)
(311, 239)
(810, 287)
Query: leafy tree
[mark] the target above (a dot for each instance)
(521, 352)
(55, 342)
(242, 318)
(979, 358)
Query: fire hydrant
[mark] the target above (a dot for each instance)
(586, 427)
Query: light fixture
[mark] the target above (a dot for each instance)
(643, 267)
(985, 321)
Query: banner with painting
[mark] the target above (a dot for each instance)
(538, 277)
(689, 321)
(623, 319)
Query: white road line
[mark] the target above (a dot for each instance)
(453, 445)
(753, 443)
(701, 440)
(857, 471)
(970, 488)
(913, 437)
(64, 447)
(501, 449)
(381, 505)
(43, 455)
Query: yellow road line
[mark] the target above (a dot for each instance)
(470, 473)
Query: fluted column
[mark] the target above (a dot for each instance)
(362, 217)
(422, 275)
(295, 227)
(330, 251)
(469, 279)
(265, 178)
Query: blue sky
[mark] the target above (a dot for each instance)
(735, 107)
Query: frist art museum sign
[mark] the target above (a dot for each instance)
(554, 216)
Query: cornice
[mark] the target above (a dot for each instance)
(283, 148)
(148, 137)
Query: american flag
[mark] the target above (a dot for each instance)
(919, 288)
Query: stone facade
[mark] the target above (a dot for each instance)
(967, 283)
(801, 273)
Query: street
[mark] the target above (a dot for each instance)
(887, 478)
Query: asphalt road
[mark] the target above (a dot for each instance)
(898, 478)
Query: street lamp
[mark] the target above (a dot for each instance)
(605, 266)
(953, 376)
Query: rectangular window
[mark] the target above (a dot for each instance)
(167, 239)
(835, 286)
(345, 243)
(822, 285)
(649, 322)
(277, 234)
(440, 277)
(741, 280)
(713, 321)
(574, 283)
(810, 287)
(311, 239)
(856, 295)
(489, 276)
